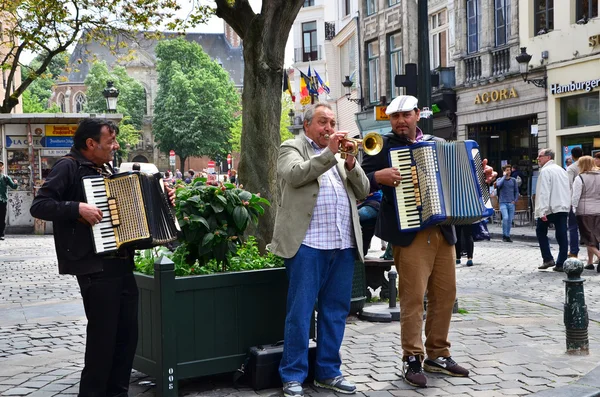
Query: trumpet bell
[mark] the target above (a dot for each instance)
(372, 143)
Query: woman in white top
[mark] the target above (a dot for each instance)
(586, 205)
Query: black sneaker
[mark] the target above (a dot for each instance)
(338, 384)
(445, 365)
(413, 372)
(504, 238)
(547, 264)
(558, 269)
(589, 266)
(293, 389)
(508, 239)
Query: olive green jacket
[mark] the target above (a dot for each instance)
(299, 175)
(5, 181)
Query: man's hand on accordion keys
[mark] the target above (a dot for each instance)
(388, 176)
(90, 213)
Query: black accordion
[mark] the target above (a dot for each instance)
(136, 211)
(442, 183)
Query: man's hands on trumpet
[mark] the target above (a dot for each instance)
(336, 140)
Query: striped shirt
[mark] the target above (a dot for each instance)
(331, 223)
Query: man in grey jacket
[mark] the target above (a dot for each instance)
(552, 205)
(317, 231)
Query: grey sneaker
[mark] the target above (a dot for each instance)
(293, 389)
(338, 384)
(547, 264)
(445, 365)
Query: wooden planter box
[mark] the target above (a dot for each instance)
(204, 325)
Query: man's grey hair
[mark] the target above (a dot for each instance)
(547, 152)
(309, 112)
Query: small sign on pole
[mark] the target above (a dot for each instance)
(172, 158)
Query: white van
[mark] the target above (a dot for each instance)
(148, 168)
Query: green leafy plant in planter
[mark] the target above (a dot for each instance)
(213, 220)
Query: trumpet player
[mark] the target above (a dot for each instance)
(317, 232)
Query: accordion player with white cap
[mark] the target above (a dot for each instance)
(442, 183)
(136, 211)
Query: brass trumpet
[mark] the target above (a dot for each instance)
(372, 143)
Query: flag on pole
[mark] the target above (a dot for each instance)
(287, 86)
(304, 94)
(324, 87)
(312, 83)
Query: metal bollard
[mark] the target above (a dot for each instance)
(393, 276)
(575, 311)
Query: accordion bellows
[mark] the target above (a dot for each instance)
(442, 183)
(136, 212)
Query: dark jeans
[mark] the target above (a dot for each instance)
(464, 239)
(573, 234)
(560, 224)
(2, 218)
(111, 307)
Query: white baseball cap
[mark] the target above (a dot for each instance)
(402, 103)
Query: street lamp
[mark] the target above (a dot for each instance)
(111, 93)
(348, 85)
(523, 59)
(291, 115)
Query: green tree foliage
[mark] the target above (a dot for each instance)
(36, 96)
(131, 102)
(196, 104)
(51, 27)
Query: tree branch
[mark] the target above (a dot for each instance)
(239, 16)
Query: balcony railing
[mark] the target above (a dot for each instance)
(329, 30)
(500, 61)
(305, 54)
(472, 69)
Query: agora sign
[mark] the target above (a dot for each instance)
(495, 96)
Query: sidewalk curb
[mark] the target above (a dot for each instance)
(588, 386)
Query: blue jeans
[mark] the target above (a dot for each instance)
(560, 224)
(508, 214)
(326, 275)
(573, 233)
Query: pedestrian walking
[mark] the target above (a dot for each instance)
(190, 176)
(319, 250)
(425, 259)
(106, 282)
(552, 205)
(178, 174)
(572, 172)
(464, 243)
(586, 204)
(508, 194)
(5, 182)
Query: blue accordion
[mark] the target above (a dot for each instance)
(442, 184)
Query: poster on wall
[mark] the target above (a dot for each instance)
(567, 154)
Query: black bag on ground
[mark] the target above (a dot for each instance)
(262, 368)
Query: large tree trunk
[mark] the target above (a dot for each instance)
(264, 36)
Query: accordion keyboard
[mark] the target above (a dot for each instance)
(103, 233)
(407, 196)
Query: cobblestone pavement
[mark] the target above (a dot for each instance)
(509, 332)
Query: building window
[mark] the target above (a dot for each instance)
(473, 24)
(346, 7)
(501, 21)
(309, 3)
(348, 59)
(61, 102)
(395, 46)
(580, 110)
(438, 37)
(309, 41)
(393, 2)
(79, 102)
(371, 7)
(586, 9)
(544, 16)
(373, 65)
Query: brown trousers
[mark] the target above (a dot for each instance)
(427, 265)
